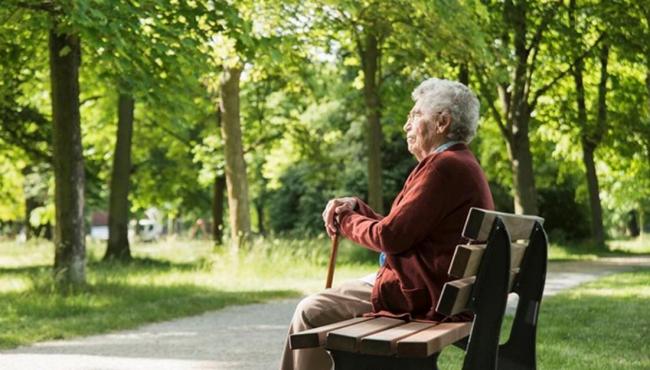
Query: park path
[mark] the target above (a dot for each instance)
(243, 337)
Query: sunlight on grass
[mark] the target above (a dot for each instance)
(640, 245)
(32, 253)
(557, 252)
(166, 280)
(630, 285)
(176, 278)
(14, 284)
(585, 251)
(601, 325)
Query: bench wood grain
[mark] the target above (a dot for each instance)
(479, 223)
(316, 337)
(433, 339)
(467, 259)
(455, 294)
(385, 342)
(349, 337)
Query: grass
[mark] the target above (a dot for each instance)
(601, 325)
(586, 251)
(589, 327)
(166, 280)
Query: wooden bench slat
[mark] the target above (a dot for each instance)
(316, 337)
(349, 337)
(455, 294)
(479, 223)
(433, 339)
(385, 342)
(467, 258)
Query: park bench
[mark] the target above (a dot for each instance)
(506, 254)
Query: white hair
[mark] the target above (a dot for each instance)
(439, 95)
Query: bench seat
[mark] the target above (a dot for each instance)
(383, 336)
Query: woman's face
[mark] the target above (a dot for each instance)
(420, 131)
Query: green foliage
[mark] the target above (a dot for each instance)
(564, 218)
(295, 207)
(302, 104)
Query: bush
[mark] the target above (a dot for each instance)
(564, 217)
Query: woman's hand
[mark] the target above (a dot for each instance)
(334, 208)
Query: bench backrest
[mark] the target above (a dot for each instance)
(507, 253)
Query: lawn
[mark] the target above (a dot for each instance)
(585, 251)
(166, 280)
(601, 325)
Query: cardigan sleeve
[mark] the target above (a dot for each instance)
(420, 210)
(365, 210)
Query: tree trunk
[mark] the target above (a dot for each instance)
(370, 59)
(463, 74)
(641, 222)
(118, 208)
(217, 209)
(597, 228)
(31, 202)
(592, 177)
(236, 180)
(69, 243)
(518, 115)
(259, 209)
(521, 160)
(647, 79)
(590, 138)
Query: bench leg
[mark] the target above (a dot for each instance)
(357, 361)
(488, 301)
(518, 353)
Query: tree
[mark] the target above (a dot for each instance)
(380, 34)
(118, 208)
(518, 29)
(153, 38)
(236, 181)
(630, 28)
(591, 135)
(69, 239)
(25, 129)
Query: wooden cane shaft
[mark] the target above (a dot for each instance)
(330, 267)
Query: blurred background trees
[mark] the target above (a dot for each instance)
(266, 109)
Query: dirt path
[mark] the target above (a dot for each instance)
(244, 337)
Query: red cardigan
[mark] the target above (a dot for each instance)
(420, 233)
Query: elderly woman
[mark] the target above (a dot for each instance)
(419, 234)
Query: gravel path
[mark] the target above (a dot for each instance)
(243, 337)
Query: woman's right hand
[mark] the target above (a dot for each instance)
(332, 209)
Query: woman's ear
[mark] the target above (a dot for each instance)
(444, 123)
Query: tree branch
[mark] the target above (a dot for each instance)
(171, 133)
(262, 140)
(542, 90)
(548, 16)
(485, 91)
(90, 99)
(46, 5)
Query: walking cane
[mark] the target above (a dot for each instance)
(330, 267)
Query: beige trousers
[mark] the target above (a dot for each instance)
(350, 299)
